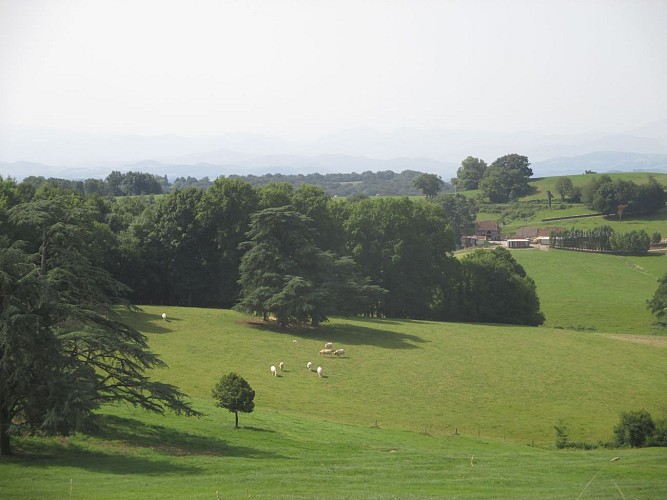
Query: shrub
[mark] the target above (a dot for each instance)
(656, 238)
(562, 439)
(634, 429)
(659, 437)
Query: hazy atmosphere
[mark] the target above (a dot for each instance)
(91, 81)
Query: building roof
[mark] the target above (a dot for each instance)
(486, 225)
(535, 232)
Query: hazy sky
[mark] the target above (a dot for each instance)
(315, 66)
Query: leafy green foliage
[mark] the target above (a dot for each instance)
(630, 243)
(284, 274)
(658, 303)
(403, 247)
(635, 428)
(621, 196)
(506, 178)
(63, 349)
(430, 184)
(460, 213)
(234, 393)
(564, 187)
(469, 174)
(498, 290)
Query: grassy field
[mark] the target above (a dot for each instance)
(275, 456)
(595, 292)
(401, 415)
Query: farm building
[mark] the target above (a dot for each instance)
(534, 233)
(518, 243)
(468, 241)
(487, 228)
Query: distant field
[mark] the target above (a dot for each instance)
(651, 224)
(544, 184)
(594, 292)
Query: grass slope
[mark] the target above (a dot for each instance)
(488, 380)
(499, 387)
(276, 456)
(595, 292)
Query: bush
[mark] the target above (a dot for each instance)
(562, 439)
(635, 429)
(656, 238)
(659, 437)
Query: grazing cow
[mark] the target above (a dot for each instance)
(326, 352)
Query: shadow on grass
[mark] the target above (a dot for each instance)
(137, 434)
(348, 335)
(53, 454)
(120, 445)
(148, 323)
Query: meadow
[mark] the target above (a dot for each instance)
(413, 410)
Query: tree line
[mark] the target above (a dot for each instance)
(186, 248)
(386, 183)
(603, 239)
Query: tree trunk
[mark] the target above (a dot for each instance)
(5, 446)
(237, 419)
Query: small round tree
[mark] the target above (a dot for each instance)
(234, 393)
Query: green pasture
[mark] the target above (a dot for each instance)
(540, 186)
(594, 292)
(413, 410)
(139, 456)
(650, 223)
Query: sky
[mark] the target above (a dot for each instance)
(302, 68)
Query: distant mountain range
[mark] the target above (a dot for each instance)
(438, 151)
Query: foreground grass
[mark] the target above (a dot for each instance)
(139, 456)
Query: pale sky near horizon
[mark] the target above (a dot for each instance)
(291, 68)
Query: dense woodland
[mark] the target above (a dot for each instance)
(187, 248)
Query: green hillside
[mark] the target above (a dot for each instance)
(418, 375)
(414, 409)
(595, 292)
(532, 209)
